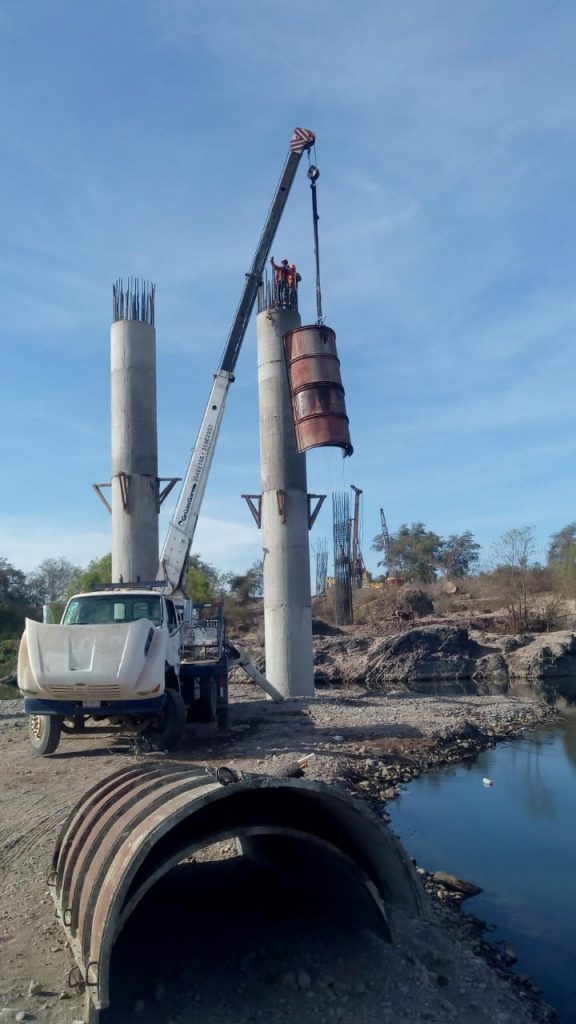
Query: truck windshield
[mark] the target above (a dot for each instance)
(98, 609)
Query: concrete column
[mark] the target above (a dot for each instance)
(134, 451)
(287, 596)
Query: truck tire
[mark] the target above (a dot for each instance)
(168, 728)
(206, 707)
(44, 732)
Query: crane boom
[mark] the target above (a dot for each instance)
(174, 555)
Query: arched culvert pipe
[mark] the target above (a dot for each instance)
(131, 829)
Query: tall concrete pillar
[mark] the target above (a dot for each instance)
(134, 434)
(284, 518)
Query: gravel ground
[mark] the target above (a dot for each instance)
(255, 954)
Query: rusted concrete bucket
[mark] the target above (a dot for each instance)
(318, 404)
(133, 827)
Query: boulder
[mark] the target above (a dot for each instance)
(423, 653)
(416, 602)
(491, 674)
(466, 889)
(548, 659)
(415, 658)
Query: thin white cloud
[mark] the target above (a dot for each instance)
(25, 542)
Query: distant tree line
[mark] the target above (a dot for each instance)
(24, 595)
(417, 554)
(420, 555)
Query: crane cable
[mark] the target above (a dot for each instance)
(313, 175)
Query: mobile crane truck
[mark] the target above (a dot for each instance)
(141, 654)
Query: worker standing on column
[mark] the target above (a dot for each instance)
(281, 279)
(292, 279)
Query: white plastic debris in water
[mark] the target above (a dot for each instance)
(338, 739)
(487, 782)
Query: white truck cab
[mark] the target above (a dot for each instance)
(115, 653)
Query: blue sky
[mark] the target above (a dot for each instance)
(146, 139)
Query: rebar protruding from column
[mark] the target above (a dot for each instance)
(342, 575)
(133, 302)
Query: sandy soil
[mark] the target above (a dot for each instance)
(238, 962)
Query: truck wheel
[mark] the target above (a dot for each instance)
(44, 732)
(206, 706)
(165, 731)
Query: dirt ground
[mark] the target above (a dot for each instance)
(253, 956)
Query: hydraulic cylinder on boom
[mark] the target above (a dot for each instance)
(174, 555)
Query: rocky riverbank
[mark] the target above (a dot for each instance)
(446, 658)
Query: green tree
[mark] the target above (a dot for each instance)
(249, 585)
(97, 574)
(459, 555)
(203, 581)
(51, 580)
(562, 559)
(13, 585)
(562, 547)
(16, 601)
(412, 551)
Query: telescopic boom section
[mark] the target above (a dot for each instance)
(174, 556)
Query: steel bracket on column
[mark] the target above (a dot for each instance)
(101, 496)
(254, 502)
(313, 512)
(170, 482)
(281, 499)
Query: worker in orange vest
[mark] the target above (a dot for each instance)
(281, 278)
(292, 279)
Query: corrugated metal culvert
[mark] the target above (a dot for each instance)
(138, 824)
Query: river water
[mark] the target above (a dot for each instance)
(516, 839)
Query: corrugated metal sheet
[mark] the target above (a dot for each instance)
(130, 829)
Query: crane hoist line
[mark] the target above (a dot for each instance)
(313, 175)
(174, 555)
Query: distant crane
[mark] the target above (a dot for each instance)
(393, 571)
(385, 538)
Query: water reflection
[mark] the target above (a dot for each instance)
(529, 775)
(569, 740)
(516, 839)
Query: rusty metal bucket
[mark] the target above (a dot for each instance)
(318, 404)
(132, 828)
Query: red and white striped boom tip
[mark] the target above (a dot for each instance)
(301, 140)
